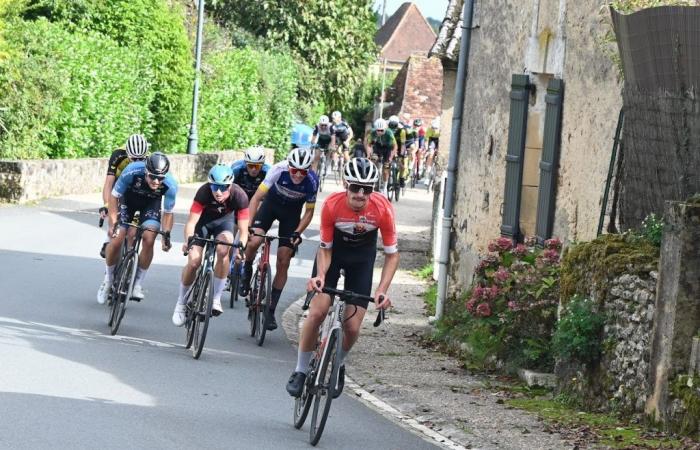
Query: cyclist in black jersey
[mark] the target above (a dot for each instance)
(341, 133)
(135, 150)
(321, 138)
(250, 171)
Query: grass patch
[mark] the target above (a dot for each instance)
(430, 298)
(608, 429)
(426, 272)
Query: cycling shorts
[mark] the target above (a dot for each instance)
(358, 268)
(382, 156)
(287, 215)
(148, 208)
(205, 229)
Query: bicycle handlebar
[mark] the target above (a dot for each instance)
(213, 241)
(270, 237)
(344, 296)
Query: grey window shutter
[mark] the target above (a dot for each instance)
(546, 199)
(517, 127)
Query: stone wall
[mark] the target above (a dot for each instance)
(30, 180)
(592, 101)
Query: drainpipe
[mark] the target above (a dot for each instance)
(455, 138)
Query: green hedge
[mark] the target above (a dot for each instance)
(68, 95)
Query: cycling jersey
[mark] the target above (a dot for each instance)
(242, 178)
(324, 137)
(132, 185)
(341, 130)
(345, 228)
(117, 162)
(384, 141)
(205, 204)
(411, 135)
(280, 187)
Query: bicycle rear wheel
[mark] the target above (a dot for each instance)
(234, 282)
(122, 291)
(327, 381)
(264, 293)
(202, 314)
(302, 404)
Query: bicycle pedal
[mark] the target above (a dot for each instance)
(135, 299)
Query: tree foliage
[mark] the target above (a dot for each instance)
(333, 41)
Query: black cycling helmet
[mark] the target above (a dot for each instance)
(157, 164)
(417, 122)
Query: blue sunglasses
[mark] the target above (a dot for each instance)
(218, 187)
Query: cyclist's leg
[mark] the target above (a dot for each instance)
(288, 222)
(317, 313)
(260, 224)
(221, 228)
(149, 219)
(358, 279)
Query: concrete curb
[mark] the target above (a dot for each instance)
(291, 323)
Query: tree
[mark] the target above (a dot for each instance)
(334, 41)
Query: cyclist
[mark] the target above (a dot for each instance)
(212, 214)
(135, 150)
(382, 143)
(433, 135)
(250, 171)
(396, 127)
(288, 187)
(419, 143)
(140, 187)
(341, 133)
(349, 224)
(321, 137)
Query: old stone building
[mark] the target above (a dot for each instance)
(521, 47)
(406, 33)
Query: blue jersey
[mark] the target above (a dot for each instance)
(280, 187)
(132, 184)
(242, 178)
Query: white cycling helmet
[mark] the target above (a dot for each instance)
(323, 120)
(336, 115)
(380, 124)
(361, 171)
(254, 155)
(136, 146)
(394, 121)
(300, 158)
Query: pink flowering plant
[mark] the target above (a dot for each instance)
(515, 293)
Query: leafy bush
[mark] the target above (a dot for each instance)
(70, 94)
(652, 229)
(578, 333)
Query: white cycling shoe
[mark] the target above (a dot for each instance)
(137, 292)
(102, 292)
(216, 308)
(179, 316)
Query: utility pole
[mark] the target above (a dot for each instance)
(382, 97)
(193, 138)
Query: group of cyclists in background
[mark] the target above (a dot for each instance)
(239, 203)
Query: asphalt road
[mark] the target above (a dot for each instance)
(66, 383)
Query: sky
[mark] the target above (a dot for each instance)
(430, 8)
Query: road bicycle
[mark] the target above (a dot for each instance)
(322, 170)
(234, 279)
(199, 297)
(322, 379)
(394, 184)
(124, 275)
(260, 298)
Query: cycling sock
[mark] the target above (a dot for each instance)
(140, 275)
(248, 269)
(107, 237)
(219, 285)
(303, 359)
(183, 293)
(109, 273)
(274, 298)
(342, 355)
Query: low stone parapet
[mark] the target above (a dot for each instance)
(24, 181)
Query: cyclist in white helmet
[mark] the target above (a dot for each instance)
(135, 149)
(382, 145)
(289, 187)
(341, 134)
(321, 138)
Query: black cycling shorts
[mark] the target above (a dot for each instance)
(206, 228)
(148, 208)
(383, 153)
(288, 216)
(358, 266)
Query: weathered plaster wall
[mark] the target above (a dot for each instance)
(591, 105)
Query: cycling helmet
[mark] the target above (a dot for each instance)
(136, 146)
(300, 158)
(323, 120)
(417, 122)
(157, 164)
(361, 171)
(254, 155)
(220, 174)
(394, 121)
(380, 124)
(336, 115)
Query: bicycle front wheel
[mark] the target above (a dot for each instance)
(122, 291)
(234, 283)
(327, 383)
(202, 314)
(264, 295)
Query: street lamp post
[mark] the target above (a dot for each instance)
(193, 138)
(382, 97)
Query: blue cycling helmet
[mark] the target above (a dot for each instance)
(221, 174)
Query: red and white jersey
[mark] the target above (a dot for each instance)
(344, 227)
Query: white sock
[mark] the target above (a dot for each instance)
(219, 285)
(140, 275)
(108, 236)
(109, 273)
(183, 292)
(303, 359)
(342, 355)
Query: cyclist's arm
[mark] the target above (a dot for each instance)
(368, 145)
(391, 263)
(192, 219)
(306, 218)
(112, 208)
(243, 225)
(167, 224)
(257, 199)
(107, 188)
(323, 261)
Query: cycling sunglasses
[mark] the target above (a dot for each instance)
(254, 166)
(355, 188)
(155, 177)
(218, 187)
(295, 171)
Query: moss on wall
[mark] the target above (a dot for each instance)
(686, 419)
